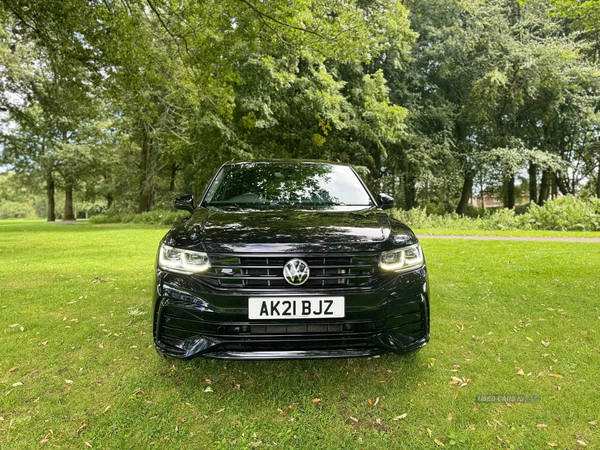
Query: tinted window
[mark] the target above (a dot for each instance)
(309, 184)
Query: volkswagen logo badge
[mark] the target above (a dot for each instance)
(296, 272)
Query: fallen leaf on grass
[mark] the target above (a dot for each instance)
(520, 372)
(14, 369)
(555, 375)
(529, 339)
(400, 417)
(580, 442)
(208, 389)
(552, 444)
(69, 381)
(107, 408)
(593, 422)
(541, 425)
(81, 427)
(546, 343)
(438, 442)
(220, 411)
(45, 438)
(18, 383)
(318, 400)
(450, 417)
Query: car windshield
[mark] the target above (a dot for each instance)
(272, 184)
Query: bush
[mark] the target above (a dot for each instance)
(568, 214)
(156, 217)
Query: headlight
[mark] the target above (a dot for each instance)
(402, 259)
(182, 261)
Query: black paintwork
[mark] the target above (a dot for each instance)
(391, 313)
(386, 201)
(185, 202)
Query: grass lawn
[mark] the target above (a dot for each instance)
(78, 370)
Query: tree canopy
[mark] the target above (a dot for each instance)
(122, 103)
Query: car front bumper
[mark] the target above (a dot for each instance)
(193, 319)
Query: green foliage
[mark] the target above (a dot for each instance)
(17, 210)
(568, 214)
(17, 202)
(585, 12)
(155, 217)
(128, 103)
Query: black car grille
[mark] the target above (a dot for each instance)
(266, 272)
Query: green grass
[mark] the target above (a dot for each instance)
(75, 305)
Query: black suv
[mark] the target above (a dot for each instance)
(285, 260)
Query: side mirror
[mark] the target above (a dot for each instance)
(185, 202)
(386, 201)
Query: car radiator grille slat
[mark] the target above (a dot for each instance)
(264, 272)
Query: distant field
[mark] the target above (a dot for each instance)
(78, 370)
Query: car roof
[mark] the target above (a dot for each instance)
(286, 161)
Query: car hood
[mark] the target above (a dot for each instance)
(291, 230)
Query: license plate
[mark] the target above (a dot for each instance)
(295, 307)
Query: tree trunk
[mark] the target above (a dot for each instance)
(465, 195)
(560, 183)
(510, 194)
(481, 190)
(532, 182)
(51, 214)
(598, 184)
(144, 205)
(69, 215)
(544, 187)
(409, 192)
(109, 200)
(173, 176)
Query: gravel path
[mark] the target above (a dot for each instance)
(512, 238)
